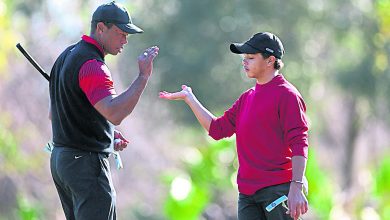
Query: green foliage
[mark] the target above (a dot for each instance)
(189, 208)
(382, 57)
(214, 170)
(12, 161)
(382, 177)
(320, 188)
(10, 154)
(206, 172)
(8, 148)
(381, 187)
(383, 9)
(7, 35)
(28, 211)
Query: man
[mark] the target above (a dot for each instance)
(271, 132)
(84, 110)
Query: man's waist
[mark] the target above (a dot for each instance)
(76, 149)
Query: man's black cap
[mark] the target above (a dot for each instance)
(264, 42)
(116, 14)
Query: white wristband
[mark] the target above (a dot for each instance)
(297, 181)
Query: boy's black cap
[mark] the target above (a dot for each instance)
(264, 42)
(116, 14)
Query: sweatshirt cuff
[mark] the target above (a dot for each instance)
(213, 131)
(300, 150)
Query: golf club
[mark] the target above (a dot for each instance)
(32, 61)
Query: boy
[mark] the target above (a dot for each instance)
(271, 132)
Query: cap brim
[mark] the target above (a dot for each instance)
(130, 28)
(241, 48)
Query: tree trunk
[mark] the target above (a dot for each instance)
(8, 202)
(353, 127)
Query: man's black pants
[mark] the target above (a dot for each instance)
(253, 207)
(84, 184)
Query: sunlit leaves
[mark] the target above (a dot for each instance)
(381, 187)
(6, 37)
(321, 192)
(207, 170)
(383, 9)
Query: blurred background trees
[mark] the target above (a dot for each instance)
(337, 55)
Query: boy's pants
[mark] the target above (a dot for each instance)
(253, 207)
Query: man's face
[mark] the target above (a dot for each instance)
(113, 39)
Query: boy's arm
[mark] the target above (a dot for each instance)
(297, 201)
(202, 114)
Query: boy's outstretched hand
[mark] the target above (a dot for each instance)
(202, 114)
(181, 95)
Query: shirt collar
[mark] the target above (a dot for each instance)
(92, 41)
(277, 79)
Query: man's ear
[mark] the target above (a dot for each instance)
(100, 27)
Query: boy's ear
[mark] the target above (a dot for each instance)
(271, 59)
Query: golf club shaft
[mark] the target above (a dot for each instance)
(33, 62)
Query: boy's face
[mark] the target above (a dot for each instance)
(255, 65)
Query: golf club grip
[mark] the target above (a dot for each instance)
(33, 62)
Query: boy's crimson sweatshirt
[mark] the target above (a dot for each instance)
(270, 125)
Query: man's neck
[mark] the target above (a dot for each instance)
(97, 39)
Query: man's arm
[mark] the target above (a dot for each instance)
(116, 108)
